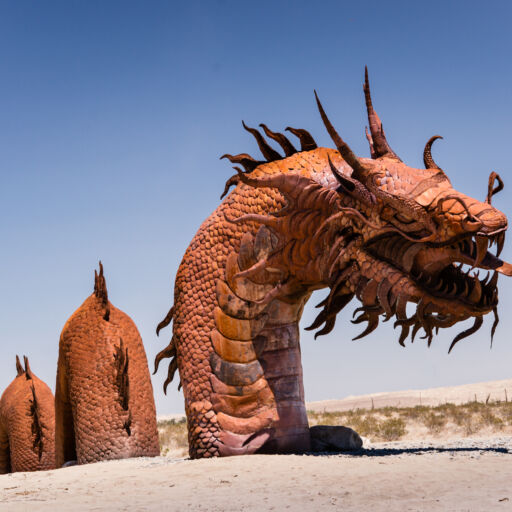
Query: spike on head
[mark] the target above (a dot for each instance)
(307, 143)
(232, 181)
(490, 188)
(283, 141)
(341, 145)
(427, 154)
(247, 161)
(268, 152)
(378, 144)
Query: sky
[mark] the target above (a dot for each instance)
(113, 116)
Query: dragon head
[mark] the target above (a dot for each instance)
(381, 230)
(420, 240)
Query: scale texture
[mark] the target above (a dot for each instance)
(104, 405)
(27, 424)
(370, 228)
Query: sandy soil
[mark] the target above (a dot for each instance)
(470, 475)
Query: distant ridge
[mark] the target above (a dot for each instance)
(481, 391)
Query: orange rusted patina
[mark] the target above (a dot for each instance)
(372, 228)
(27, 423)
(104, 405)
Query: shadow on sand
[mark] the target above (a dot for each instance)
(386, 452)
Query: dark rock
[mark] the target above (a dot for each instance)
(326, 438)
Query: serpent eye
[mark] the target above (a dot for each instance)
(403, 219)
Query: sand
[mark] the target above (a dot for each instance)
(391, 477)
(466, 474)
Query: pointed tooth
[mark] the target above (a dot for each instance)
(481, 249)
(465, 292)
(409, 256)
(500, 243)
(476, 293)
(493, 281)
(444, 291)
(485, 279)
(438, 286)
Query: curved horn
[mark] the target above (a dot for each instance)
(490, 189)
(379, 142)
(341, 145)
(427, 154)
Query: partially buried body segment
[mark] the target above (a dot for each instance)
(104, 398)
(27, 423)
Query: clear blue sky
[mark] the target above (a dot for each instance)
(113, 115)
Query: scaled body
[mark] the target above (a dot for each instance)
(27, 424)
(104, 398)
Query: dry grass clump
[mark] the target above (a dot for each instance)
(377, 424)
(173, 437)
(435, 422)
(392, 429)
(384, 424)
(393, 423)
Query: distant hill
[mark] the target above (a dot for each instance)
(494, 390)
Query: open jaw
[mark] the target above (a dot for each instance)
(448, 270)
(444, 278)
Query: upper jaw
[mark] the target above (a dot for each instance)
(438, 268)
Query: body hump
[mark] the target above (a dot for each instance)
(27, 424)
(104, 399)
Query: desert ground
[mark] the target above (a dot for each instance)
(432, 467)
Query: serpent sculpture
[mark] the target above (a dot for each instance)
(372, 228)
(27, 423)
(104, 405)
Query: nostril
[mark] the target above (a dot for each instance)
(471, 223)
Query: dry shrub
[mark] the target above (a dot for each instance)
(367, 426)
(173, 437)
(459, 415)
(491, 420)
(392, 429)
(507, 412)
(415, 413)
(434, 422)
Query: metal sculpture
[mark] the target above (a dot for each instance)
(372, 228)
(104, 405)
(27, 423)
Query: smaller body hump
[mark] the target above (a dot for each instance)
(27, 423)
(104, 405)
